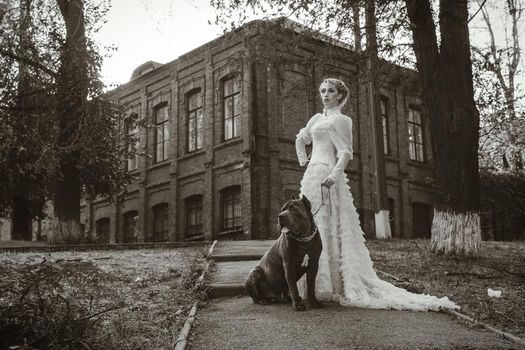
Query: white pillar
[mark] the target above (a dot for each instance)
(382, 219)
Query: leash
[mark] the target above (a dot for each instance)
(324, 199)
(323, 202)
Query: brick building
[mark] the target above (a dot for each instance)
(218, 131)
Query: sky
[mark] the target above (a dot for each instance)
(152, 30)
(162, 30)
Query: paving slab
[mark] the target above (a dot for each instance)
(228, 277)
(238, 323)
(231, 272)
(253, 247)
(233, 260)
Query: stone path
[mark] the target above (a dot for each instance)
(233, 262)
(232, 321)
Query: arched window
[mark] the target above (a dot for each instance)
(162, 134)
(231, 98)
(132, 131)
(102, 227)
(130, 226)
(383, 109)
(415, 135)
(231, 208)
(194, 118)
(160, 222)
(194, 226)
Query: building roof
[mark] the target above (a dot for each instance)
(144, 68)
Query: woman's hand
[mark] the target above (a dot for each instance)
(328, 182)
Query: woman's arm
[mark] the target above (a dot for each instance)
(302, 139)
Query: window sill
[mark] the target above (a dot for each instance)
(418, 164)
(229, 143)
(390, 157)
(159, 165)
(192, 154)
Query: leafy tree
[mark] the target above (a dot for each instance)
(440, 43)
(25, 104)
(499, 96)
(66, 135)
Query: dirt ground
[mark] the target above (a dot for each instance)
(135, 299)
(465, 281)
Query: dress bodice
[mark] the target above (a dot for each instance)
(323, 150)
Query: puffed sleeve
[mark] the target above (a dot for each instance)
(340, 131)
(302, 139)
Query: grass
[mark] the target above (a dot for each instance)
(465, 281)
(137, 299)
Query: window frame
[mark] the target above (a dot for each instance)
(160, 219)
(193, 210)
(416, 149)
(104, 222)
(162, 125)
(193, 115)
(385, 124)
(130, 217)
(230, 202)
(132, 164)
(234, 95)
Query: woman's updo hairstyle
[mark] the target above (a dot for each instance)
(341, 88)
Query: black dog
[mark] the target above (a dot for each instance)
(294, 253)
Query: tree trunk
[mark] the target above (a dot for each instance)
(21, 218)
(446, 78)
(21, 214)
(356, 26)
(72, 96)
(382, 222)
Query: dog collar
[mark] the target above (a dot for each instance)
(303, 239)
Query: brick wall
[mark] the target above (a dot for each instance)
(278, 96)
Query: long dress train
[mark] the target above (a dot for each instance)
(345, 272)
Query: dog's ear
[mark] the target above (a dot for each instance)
(306, 202)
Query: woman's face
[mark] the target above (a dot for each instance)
(329, 95)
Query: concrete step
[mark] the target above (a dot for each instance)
(233, 261)
(235, 257)
(228, 277)
(255, 247)
(225, 290)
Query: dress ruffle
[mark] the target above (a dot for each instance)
(345, 272)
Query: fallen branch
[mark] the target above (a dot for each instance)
(99, 313)
(505, 335)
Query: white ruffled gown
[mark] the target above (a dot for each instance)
(345, 267)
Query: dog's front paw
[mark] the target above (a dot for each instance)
(316, 304)
(299, 306)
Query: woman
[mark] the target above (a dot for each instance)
(345, 268)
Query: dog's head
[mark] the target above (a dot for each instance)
(296, 217)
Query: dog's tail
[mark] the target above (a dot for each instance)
(253, 283)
